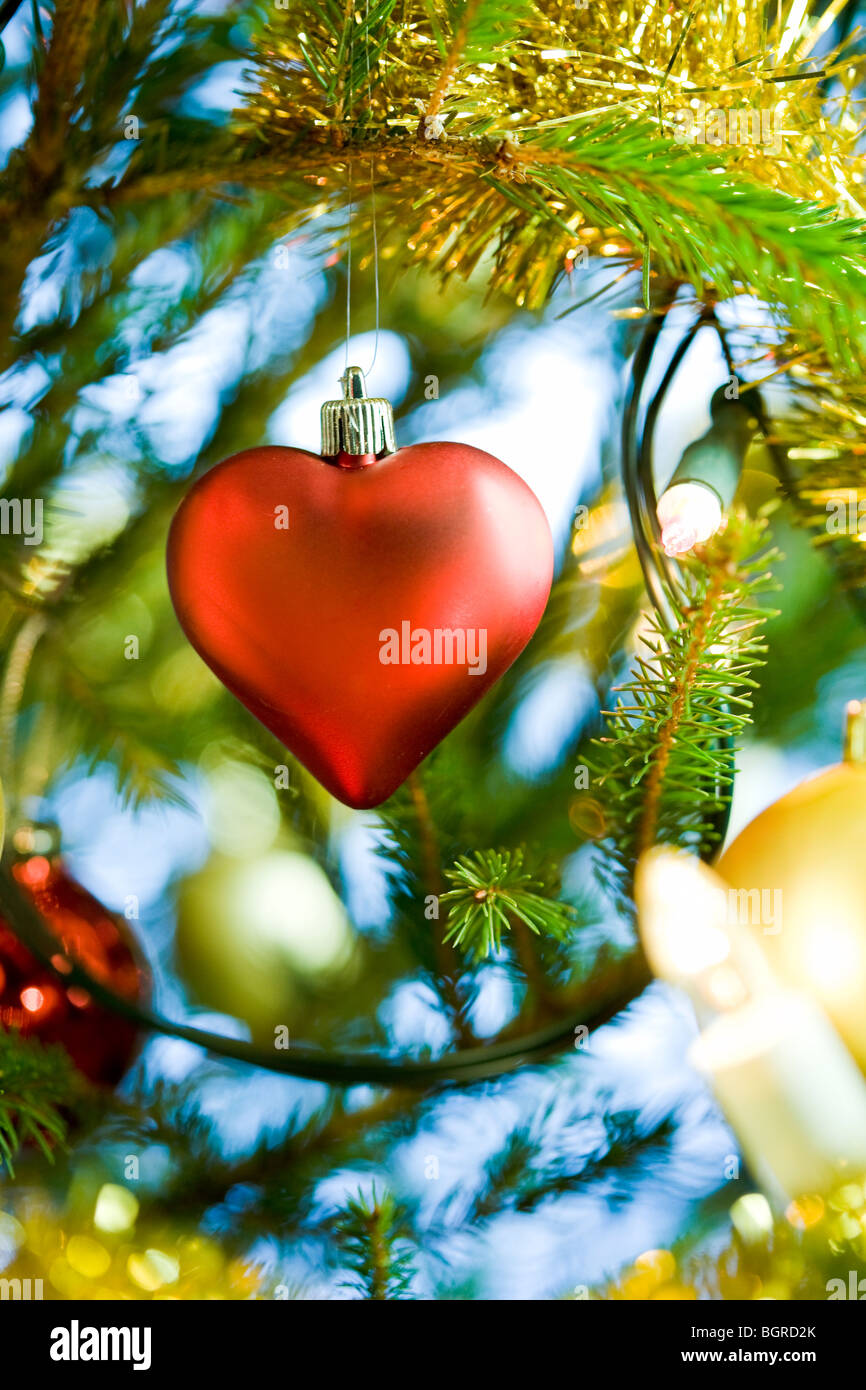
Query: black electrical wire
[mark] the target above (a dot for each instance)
(635, 492)
(660, 573)
(349, 1069)
(8, 10)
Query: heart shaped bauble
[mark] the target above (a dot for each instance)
(360, 603)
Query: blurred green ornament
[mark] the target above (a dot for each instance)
(261, 938)
(2, 818)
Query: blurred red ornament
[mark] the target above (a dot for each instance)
(35, 1001)
(317, 589)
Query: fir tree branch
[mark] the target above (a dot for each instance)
(549, 1157)
(627, 1144)
(60, 73)
(430, 858)
(341, 49)
(448, 966)
(479, 29)
(703, 225)
(665, 759)
(589, 164)
(37, 1084)
(370, 1233)
(339, 69)
(12, 691)
(682, 686)
(452, 58)
(494, 887)
(283, 1172)
(119, 737)
(528, 202)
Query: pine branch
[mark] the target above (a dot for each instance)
(341, 48)
(459, 203)
(493, 888)
(37, 1084)
(485, 199)
(480, 29)
(370, 1233)
(702, 225)
(627, 1144)
(101, 64)
(414, 842)
(816, 442)
(280, 1173)
(557, 144)
(61, 72)
(549, 1158)
(665, 760)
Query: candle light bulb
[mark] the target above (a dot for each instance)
(688, 513)
(786, 1083)
(691, 933)
(680, 915)
(692, 507)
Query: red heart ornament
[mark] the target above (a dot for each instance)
(360, 607)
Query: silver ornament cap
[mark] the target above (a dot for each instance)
(357, 424)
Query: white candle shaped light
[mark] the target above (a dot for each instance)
(688, 513)
(789, 1088)
(692, 507)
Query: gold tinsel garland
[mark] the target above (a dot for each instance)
(105, 1248)
(646, 133)
(648, 60)
(816, 1250)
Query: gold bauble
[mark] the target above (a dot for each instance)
(800, 872)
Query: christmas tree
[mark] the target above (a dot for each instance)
(308, 991)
